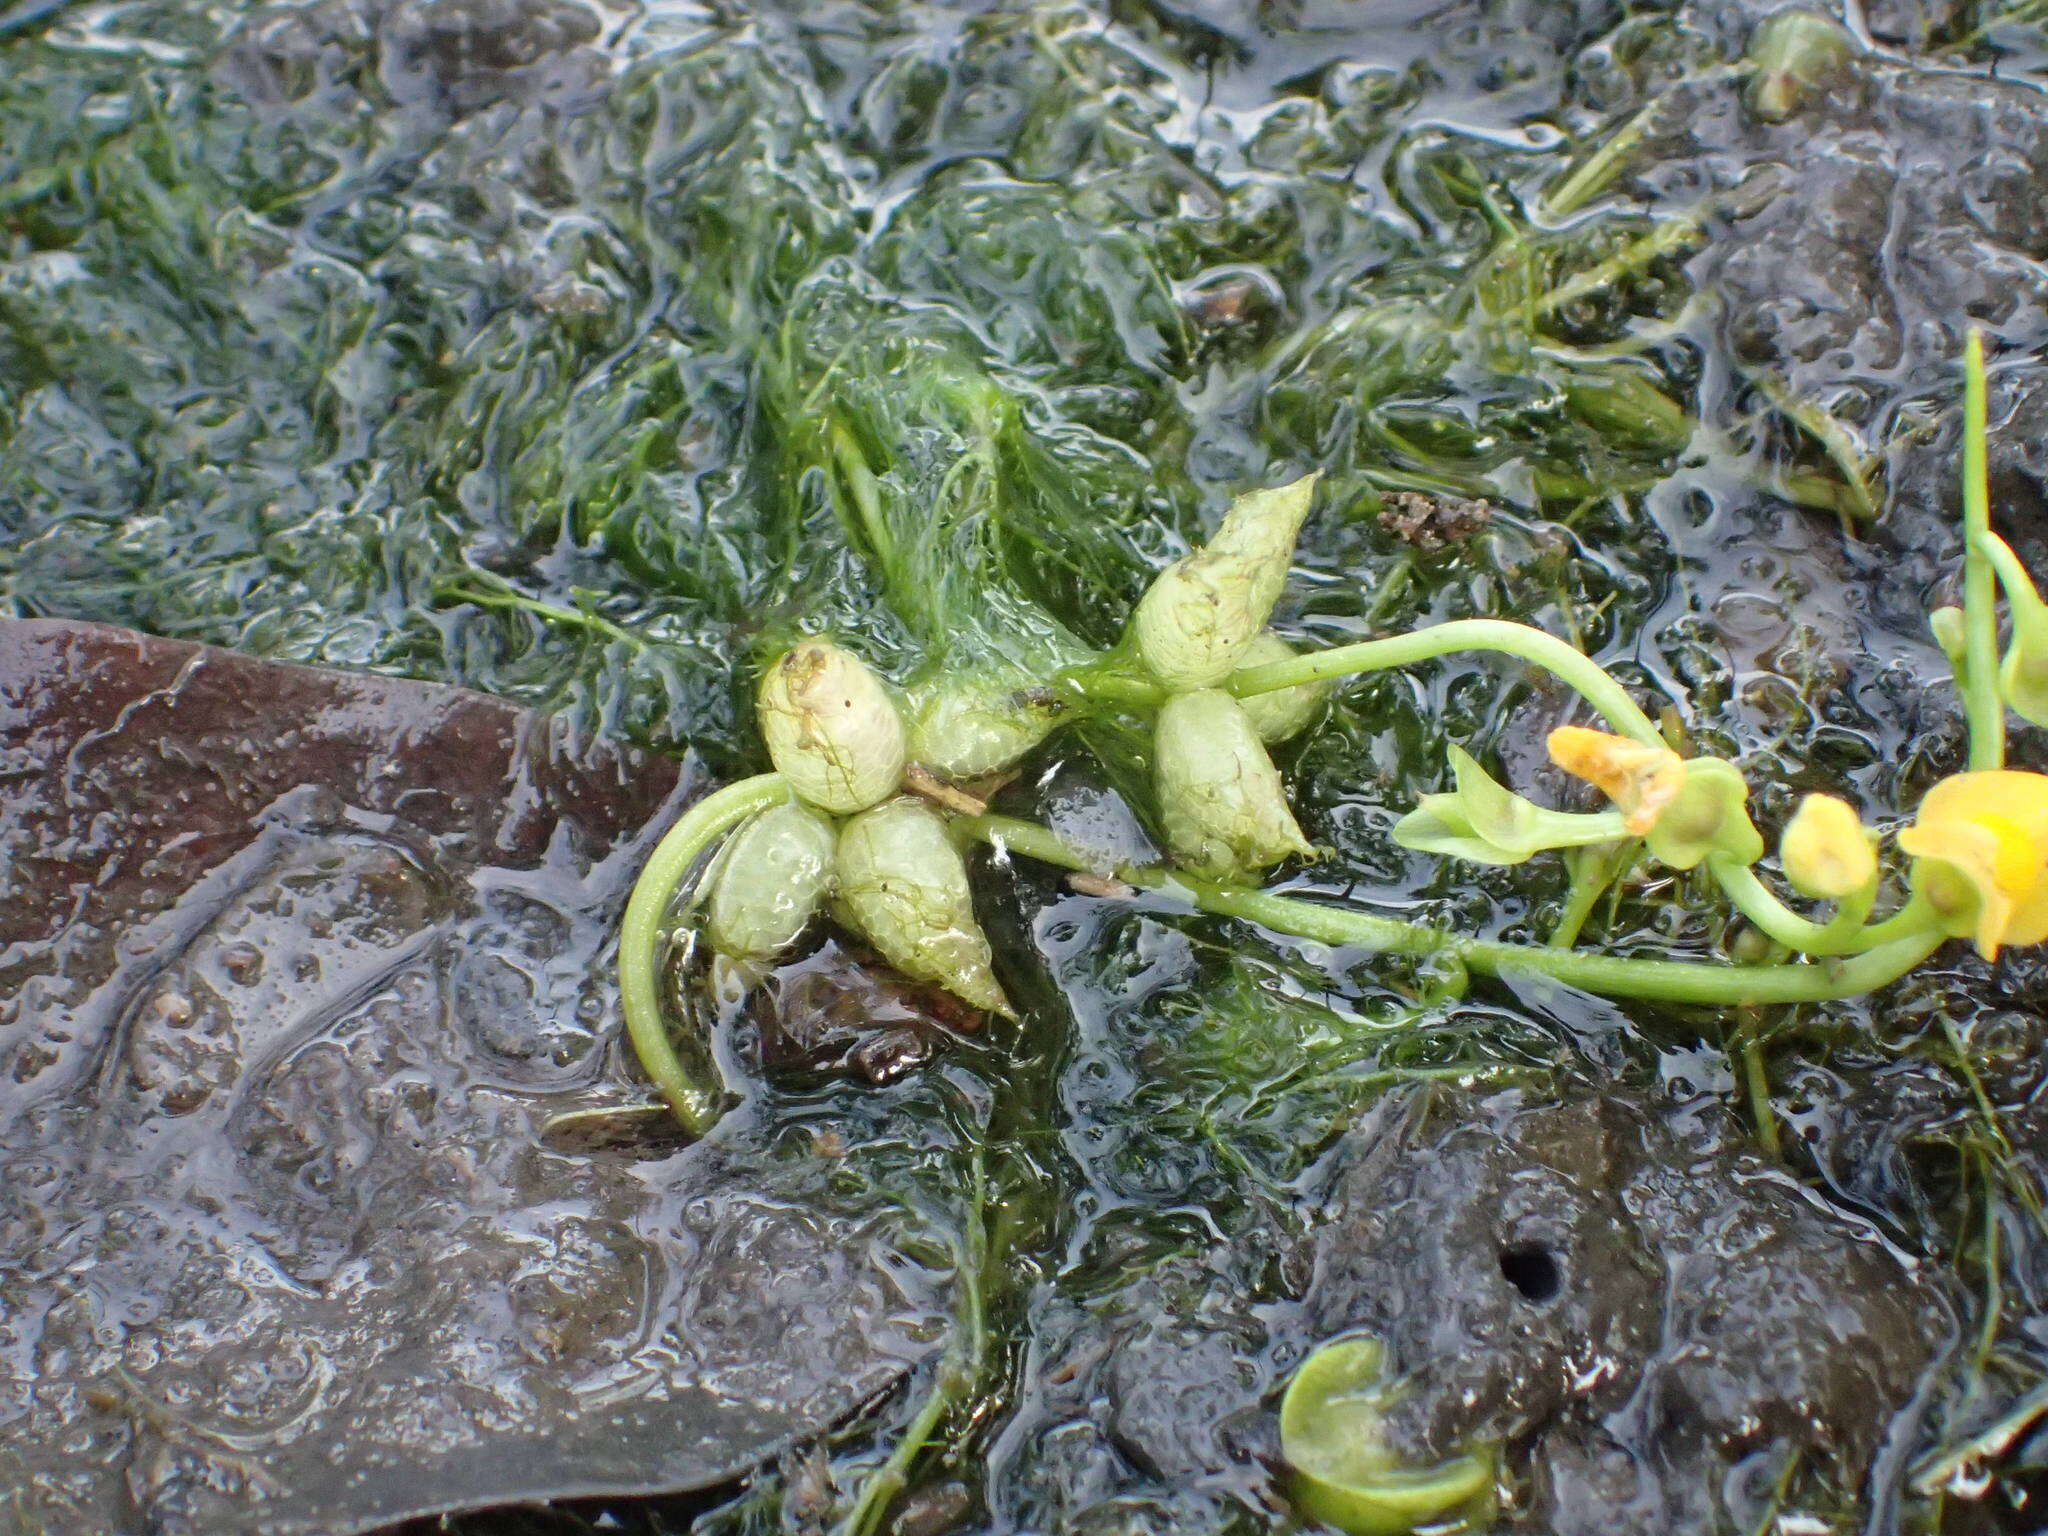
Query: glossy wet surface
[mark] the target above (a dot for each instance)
(298, 965)
(524, 345)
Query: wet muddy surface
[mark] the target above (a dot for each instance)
(297, 965)
(516, 346)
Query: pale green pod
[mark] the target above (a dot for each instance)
(1222, 805)
(770, 879)
(1793, 52)
(832, 729)
(1195, 620)
(1284, 712)
(1345, 1476)
(975, 727)
(903, 887)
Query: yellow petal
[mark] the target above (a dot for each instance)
(2009, 792)
(1641, 780)
(1991, 829)
(1964, 883)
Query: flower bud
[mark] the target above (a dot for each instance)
(770, 879)
(973, 727)
(1826, 853)
(903, 886)
(831, 728)
(1283, 713)
(1199, 615)
(1220, 797)
(1791, 53)
(1946, 625)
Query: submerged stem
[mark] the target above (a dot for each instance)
(1593, 870)
(1531, 645)
(956, 1373)
(640, 938)
(1675, 981)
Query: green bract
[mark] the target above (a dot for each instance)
(2023, 675)
(770, 879)
(1488, 824)
(1223, 806)
(974, 726)
(1344, 1474)
(903, 885)
(1710, 815)
(1284, 711)
(831, 728)
(1195, 620)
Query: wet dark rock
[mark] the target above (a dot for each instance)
(1633, 1305)
(294, 968)
(1909, 204)
(1646, 1317)
(473, 52)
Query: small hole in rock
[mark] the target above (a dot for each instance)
(1532, 1269)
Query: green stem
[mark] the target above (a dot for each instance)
(514, 602)
(1757, 1080)
(1671, 235)
(867, 499)
(1594, 869)
(1597, 171)
(1843, 934)
(1103, 683)
(2011, 571)
(1981, 703)
(1825, 428)
(1530, 645)
(956, 1373)
(1675, 981)
(640, 937)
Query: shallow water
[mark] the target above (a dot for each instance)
(516, 345)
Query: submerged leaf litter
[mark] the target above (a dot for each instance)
(583, 354)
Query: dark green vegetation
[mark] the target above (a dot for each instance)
(580, 356)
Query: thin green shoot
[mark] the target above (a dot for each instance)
(1982, 706)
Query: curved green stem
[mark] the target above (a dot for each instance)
(2010, 570)
(1843, 934)
(1675, 981)
(1531, 645)
(1982, 706)
(640, 935)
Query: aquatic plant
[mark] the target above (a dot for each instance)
(1978, 849)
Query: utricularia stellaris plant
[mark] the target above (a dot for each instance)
(870, 809)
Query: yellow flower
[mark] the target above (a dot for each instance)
(1980, 851)
(1825, 851)
(1641, 780)
(1683, 808)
